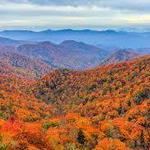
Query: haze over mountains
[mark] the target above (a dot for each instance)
(8, 41)
(107, 38)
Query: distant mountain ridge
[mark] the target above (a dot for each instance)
(113, 38)
(8, 41)
(11, 42)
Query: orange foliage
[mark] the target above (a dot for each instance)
(104, 108)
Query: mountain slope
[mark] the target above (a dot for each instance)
(74, 86)
(101, 108)
(113, 99)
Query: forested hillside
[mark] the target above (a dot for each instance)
(104, 108)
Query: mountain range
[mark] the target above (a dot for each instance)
(69, 54)
(107, 38)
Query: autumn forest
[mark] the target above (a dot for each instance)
(101, 108)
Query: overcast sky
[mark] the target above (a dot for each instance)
(77, 14)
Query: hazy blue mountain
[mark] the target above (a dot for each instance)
(68, 54)
(12, 42)
(9, 42)
(108, 38)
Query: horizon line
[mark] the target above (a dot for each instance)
(72, 29)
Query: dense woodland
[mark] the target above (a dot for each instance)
(105, 108)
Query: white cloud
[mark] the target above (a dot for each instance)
(74, 14)
(116, 4)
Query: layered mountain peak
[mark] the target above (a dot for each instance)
(120, 55)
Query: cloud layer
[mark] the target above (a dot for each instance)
(120, 4)
(74, 13)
